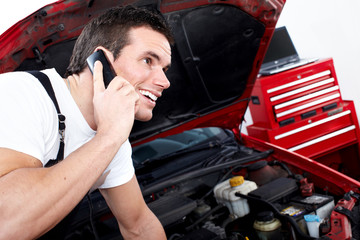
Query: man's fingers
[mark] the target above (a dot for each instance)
(118, 85)
(98, 77)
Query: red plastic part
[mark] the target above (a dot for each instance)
(307, 189)
(340, 223)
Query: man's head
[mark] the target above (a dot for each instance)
(111, 31)
(143, 63)
(137, 45)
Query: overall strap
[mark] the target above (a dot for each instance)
(45, 81)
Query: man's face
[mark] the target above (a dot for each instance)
(143, 63)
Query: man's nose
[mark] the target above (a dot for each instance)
(162, 80)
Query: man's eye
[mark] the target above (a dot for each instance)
(147, 60)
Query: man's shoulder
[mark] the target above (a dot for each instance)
(24, 77)
(22, 83)
(16, 75)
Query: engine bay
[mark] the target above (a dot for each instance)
(202, 184)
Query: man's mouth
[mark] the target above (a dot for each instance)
(148, 95)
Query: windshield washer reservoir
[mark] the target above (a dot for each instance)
(225, 194)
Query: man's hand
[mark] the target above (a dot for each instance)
(114, 107)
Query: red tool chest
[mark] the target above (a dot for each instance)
(302, 110)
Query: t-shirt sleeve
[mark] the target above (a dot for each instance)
(24, 117)
(120, 170)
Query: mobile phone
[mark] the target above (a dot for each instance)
(108, 71)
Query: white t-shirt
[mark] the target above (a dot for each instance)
(29, 124)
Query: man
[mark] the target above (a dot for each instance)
(33, 199)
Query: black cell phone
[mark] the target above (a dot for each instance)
(108, 71)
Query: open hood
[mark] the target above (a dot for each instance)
(219, 47)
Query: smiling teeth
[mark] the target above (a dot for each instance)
(148, 94)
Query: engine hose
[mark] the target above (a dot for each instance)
(277, 213)
(284, 166)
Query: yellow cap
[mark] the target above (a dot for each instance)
(236, 181)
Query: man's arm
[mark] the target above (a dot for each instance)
(34, 199)
(136, 221)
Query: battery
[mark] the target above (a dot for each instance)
(321, 205)
(297, 212)
(299, 206)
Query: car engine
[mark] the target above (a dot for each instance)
(203, 185)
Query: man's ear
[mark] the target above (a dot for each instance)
(108, 54)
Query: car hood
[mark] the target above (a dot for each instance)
(219, 47)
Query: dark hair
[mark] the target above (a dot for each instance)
(110, 30)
